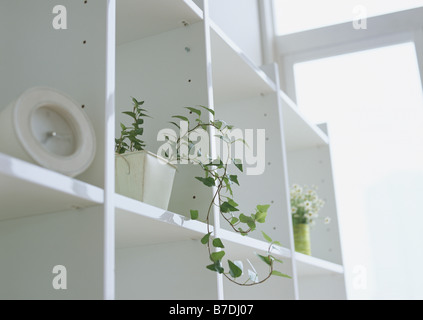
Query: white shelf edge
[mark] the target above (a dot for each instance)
(242, 56)
(30, 173)
(295, 109)
(254, 244)
(195, 8)
(155, 213)
(319, 263)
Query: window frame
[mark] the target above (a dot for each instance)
(384, 30)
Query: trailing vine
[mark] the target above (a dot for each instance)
(217, 176)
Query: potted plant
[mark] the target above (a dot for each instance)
(140, 174)
(218, 175)
(305, 206)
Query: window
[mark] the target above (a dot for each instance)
(299, 15)
(367, 85)
(373, 103)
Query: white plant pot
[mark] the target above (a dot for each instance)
(145, 177)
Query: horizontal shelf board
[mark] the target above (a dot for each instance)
(139, 224)
(235, 76)
(137, 19)
(27, 189)
(311, 266)
(244, 246)
(299, 132)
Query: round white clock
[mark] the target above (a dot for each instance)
(51, 129)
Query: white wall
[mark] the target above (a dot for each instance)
(31, 247)
(240, 20)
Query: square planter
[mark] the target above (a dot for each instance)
(146, 177)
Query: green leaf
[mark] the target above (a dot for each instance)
(139, 131)
(209, 110)
(194, 214)
(275, 259)
(175, 124)
(137, 103)
(181, 118)
(234, 179)
(218, 243)
(123, 127)
(194, 111)
(216, 267)
(228, 186)
(209, 182)
(244, 219)
(260, 217)
(280, 274)
(238, 164)
(277, 243)
(232, 203)
(234, 270)
(252, 225)
(217, 256)
(206, 238)
(263, 208)
(266, 237)
(234, 220)
(226, 207)
(264, 259)
(218, 124)
(144, 115)
(131, 114)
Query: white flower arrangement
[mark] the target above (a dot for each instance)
(305, 205)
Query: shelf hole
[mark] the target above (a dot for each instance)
(189, 80)
(185, 23)
(83, 106)
(265, 114)
(274, 228)
(84, 42)
(269, 163)
(272, 202)
(194, 197)
(267, 139)
(86, 1)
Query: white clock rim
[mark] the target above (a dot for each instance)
(85, 144)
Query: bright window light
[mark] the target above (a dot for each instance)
(299, 15)
(373, 104)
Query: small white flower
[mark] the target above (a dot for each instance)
(294, 209)
(327, 220)
(307, 204)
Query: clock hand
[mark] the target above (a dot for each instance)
(54, 134)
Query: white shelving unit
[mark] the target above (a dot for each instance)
(114, 247)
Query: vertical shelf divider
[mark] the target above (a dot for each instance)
(109, 167)
(213, 150)
(272, 71)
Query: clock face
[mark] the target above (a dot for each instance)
(54, 133)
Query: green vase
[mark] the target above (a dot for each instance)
(302, 238)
